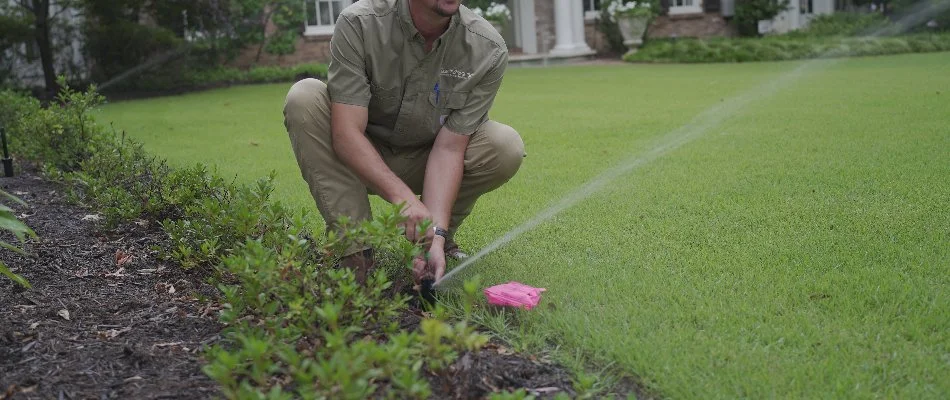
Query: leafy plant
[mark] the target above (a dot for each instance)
(63, 134)
(843, 24)
(298, 327)
(785, 48)
(628, 8)
(494, 12)
(607, 25)
(10, 223)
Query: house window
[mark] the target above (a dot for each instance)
(31, 51)
(322, 15)
(685, 7)
(805, 6)
(591, 9)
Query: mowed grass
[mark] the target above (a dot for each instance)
(799, 249)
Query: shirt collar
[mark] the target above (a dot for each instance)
(407, 23)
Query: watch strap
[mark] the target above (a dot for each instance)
(441, 232)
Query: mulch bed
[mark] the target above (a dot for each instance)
(107, 319)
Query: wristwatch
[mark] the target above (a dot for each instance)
(441, 232)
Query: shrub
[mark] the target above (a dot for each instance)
(185, 77)
(785, 48)
(303, 330)
(843, 24)
(219, 218)
(14, 107)
(62, 134)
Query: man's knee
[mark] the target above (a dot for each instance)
(304, 98)
(508, 148)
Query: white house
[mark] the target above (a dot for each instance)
(543, 31)
(798, 15)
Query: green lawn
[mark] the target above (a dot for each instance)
(799, 248)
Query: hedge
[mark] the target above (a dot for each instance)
(185, 79)
(725, 50)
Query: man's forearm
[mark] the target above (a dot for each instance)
(444, 176)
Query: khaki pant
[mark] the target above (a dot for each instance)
(493, 156)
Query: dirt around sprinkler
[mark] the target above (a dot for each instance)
(107, 319)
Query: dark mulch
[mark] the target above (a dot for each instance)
(133, 330)
(494, 368)
(107, 319)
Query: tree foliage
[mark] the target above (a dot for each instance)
(118, 35)
(36, 30)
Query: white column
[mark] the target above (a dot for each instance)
(577, 18)
(564, 33)
(526, 26)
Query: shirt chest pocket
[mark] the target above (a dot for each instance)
(443, 104)
(420, 124)
(384, 106)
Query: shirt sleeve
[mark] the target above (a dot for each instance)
(346, 75)
(465, 120)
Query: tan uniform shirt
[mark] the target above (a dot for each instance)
(378, 61)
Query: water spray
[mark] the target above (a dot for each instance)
(694, 129)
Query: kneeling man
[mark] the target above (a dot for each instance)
(404, 112)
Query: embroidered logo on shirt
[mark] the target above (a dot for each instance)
(456, 73)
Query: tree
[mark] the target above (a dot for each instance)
(42, 16)
(130, 20)
(16, 28)
(272, 25)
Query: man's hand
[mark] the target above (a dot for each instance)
(433, 266)
(416, 213)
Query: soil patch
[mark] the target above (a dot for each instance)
(106, 318)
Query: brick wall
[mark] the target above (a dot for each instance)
(704, 25)
(309, 49)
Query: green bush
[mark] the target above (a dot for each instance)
(184, 78)
(14, 107)
(843, 24)
(301, 329)
(219, 218)
(785, 48)
(61, 135)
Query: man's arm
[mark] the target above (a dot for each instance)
(440, 189)
(348, 122)
(444, 175)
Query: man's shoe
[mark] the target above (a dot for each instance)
(452, 250)
(361, 263)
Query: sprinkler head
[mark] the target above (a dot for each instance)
(427, 292)
(7, 161)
